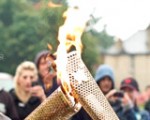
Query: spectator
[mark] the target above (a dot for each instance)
(105, 78)
(142, 99)
(47, 76)
(26, 97)
(7, 105)
(131, 88)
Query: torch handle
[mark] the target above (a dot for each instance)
(55, 107)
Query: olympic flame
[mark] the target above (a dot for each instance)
(53, 5)
(69, 35)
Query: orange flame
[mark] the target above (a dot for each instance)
(49, 46)
(69, 35)
(53, 5)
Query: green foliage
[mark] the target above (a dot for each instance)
(25, 29)
(90, 50)
(6, 12)
(105, 40)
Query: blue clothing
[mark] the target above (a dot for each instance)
(123, 114)
(102, 71)
(147, 106)
(141, 115)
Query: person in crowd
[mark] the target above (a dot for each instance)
(47, 75)
(143, 98)
(25, 96)
(131, 88)
(105, 78)
(7, 105)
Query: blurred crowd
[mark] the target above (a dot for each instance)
(35, 80)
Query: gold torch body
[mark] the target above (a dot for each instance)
(87, 91)
(55, 107)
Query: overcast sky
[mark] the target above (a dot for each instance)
(122, 17)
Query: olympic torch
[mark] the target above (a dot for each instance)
(56, 107)
(78, 88)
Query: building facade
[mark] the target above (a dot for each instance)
(131, 58)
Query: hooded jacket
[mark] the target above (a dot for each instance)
(103, 71)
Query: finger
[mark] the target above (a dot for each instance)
(111, 93)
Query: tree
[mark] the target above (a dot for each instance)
(27, 26)
(24, 32)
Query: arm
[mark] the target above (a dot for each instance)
(11, 108)
(38, 91)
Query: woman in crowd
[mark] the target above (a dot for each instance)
(26, 96)
(47, 76)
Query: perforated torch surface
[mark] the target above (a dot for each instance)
(55, 107)
(87, 91)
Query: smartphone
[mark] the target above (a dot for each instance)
(35, 83)
(119, 94)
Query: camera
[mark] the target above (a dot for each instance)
(35, 83)
(119, 94)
